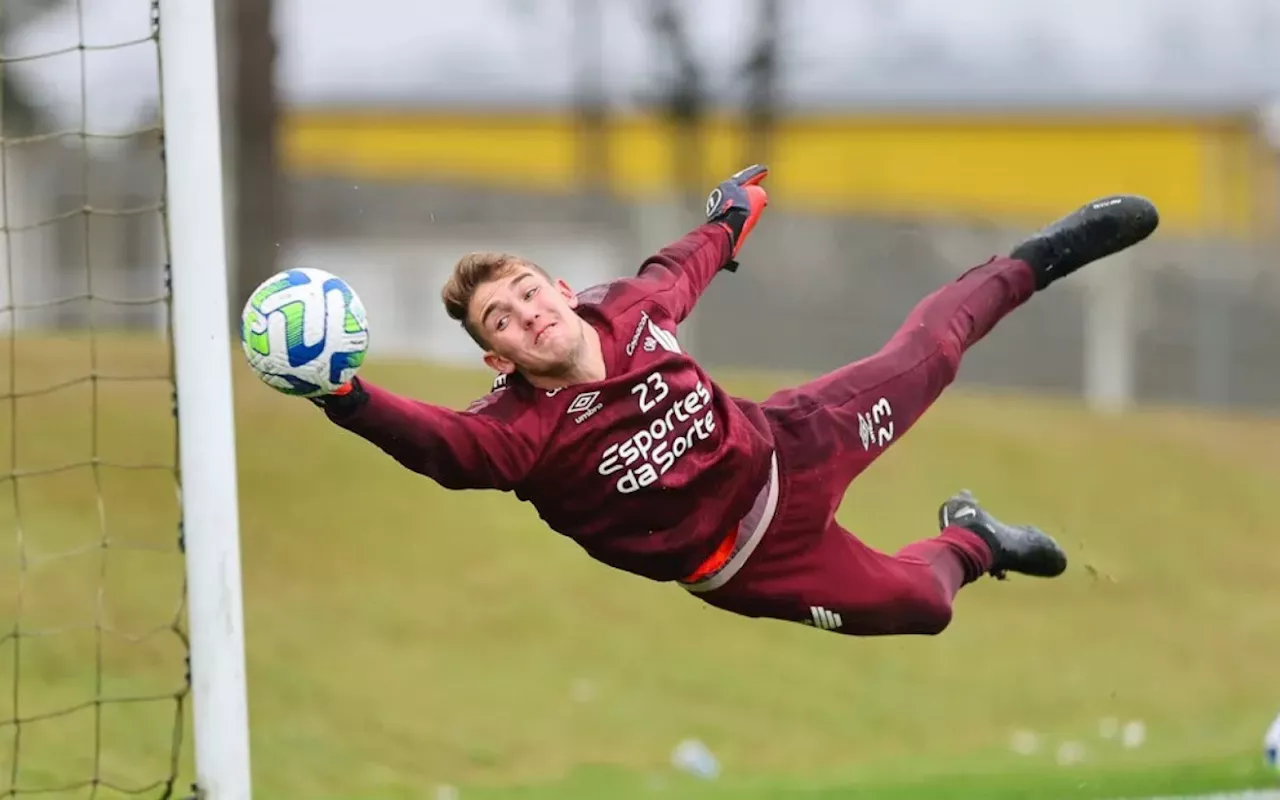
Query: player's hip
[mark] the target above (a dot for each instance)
(789, 515)
(740, 538)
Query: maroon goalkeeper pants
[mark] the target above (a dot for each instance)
(804, 566)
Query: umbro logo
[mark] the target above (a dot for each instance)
(585, 406)
(823, 618)
(582, 402)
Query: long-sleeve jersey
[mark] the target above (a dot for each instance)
(647, 470)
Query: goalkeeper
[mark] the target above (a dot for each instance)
(623, 443)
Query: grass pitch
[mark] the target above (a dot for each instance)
(402, 638)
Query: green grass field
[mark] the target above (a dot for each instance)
(401, 637)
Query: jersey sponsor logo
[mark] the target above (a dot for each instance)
(648, 454)
(659, 338)
(635, 336)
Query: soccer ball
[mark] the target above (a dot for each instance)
(1271, 746)
(304, 332)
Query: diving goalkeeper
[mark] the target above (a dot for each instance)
(623, 443)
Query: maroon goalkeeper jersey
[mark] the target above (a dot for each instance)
(647, 470)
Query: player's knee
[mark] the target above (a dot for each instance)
(926, 612)
(935, 618)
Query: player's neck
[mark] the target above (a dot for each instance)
(588, 366)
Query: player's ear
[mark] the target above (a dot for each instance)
(569, 294)
(498, 363)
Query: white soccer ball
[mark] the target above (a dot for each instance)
(1271, 746)
(304, 332)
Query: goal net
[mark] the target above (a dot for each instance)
(113, 507)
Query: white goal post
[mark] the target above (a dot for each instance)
(206, 434)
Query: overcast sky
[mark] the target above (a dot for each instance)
(835, 52)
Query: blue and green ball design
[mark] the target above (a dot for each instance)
(304, 332)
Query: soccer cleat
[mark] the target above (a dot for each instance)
(1103, 227)
(1014, 548)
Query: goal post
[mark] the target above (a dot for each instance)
(122, 653)
(206, 432)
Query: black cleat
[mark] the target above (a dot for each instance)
(1105, 226)
(1014, 548)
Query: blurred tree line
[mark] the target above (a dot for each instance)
(248, 56)
(683, 98)
(251, 142)
(19, 110)
(250, 111)
(251, 103)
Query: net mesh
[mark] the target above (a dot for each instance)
(93, 651)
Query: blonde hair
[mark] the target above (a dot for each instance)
(471, 272)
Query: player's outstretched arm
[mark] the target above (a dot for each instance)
(679, 273)
(457, 450)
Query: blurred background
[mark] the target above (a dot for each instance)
(907, 140)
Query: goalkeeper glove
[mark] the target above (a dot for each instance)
(346, 399)
(735, 204)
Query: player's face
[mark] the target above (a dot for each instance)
(529, 323)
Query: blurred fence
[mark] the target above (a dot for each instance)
(1185, 319)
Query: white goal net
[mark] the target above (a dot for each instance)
(98, 516)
